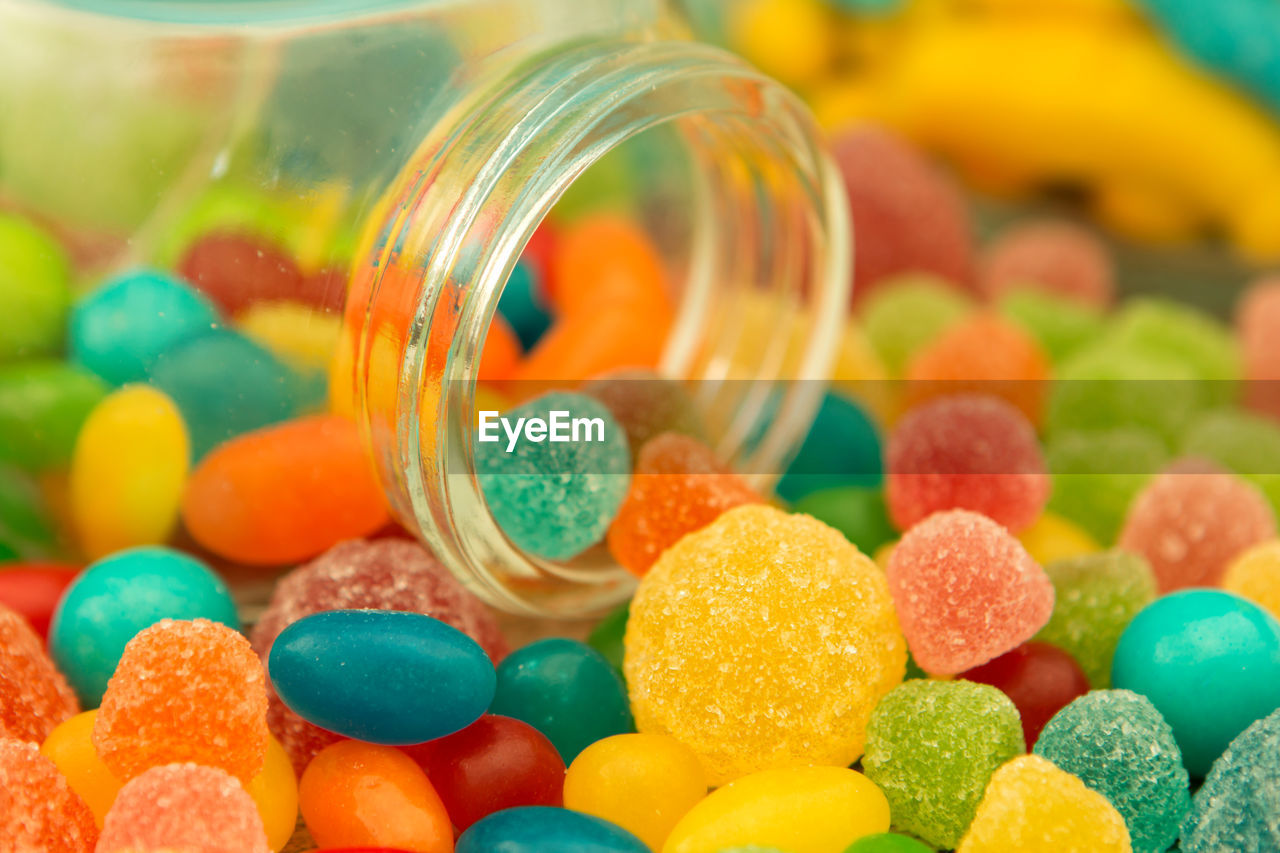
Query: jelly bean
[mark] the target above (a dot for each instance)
(522, 305)
(42, 406)
(842, 448)
(341, 671)
(642, 783)
(857, 512)
(905, 314)
(607, 637)
(1254, 575)
(34, 290)
(32, 590)
(1051, 538)
(70, 747)
(235, 271)
(1055, 257)
(540, 829)
(1039, 678)
(362, 794)
(501, 352)
(41, 811)
(26, 531)
(275, 793)
(602, 259)
(614, 336)
(117, 597)
(299, 334)
(789, 40)
(887, 842)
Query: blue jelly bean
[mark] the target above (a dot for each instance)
(381, 676)
(841, 449)
(1210, 663)
(117, 597)
(522, 306)
(120, 329)
(543, 829)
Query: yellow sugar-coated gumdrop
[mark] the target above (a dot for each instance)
(1033, 807)
(762, 640)
(797, 809)
(302, 335)
(1255, 574)
(1051, 538)
(70, 747)
(792, 40)
(275, 792)
(643, 783)
(127, 471)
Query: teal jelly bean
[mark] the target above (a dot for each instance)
(522, 306)
(381, 676)
(119, 330)
(566, 690)
(42, 407)
(857, 512)
(843, 448)
(1210, 663)
(606, 637)
(118, 596)
(35, 290)
(25, 529)
(544, 829)
(887, 842)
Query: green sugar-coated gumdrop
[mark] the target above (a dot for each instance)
(1061, 326)
(1119, 745)
(1247, 444)
(902, 316)
(1237, 809)
(1096, 475)
(1096, 596)
(42, 406)
(35, 293)
(932, 747)
(1190, 337)
(856, 511)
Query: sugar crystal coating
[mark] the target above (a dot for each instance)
(38, 809)
(1258, 326)
(1056, 257)
(1237, 809)
(1192, 337)
(905, 314)
(1255, 574)
(34, 697)
(1096, 474)
(1060, 325)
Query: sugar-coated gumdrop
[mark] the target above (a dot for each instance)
(1235, 809)
(966, 452)
(887, 842)
(1255, 575)
(1052, 537)
(533, 829)
(1038, 677)
(646, 405)
(38, 810)
(70, 747)
(34, 696)
(965, 591)
(42, 406)
(275, 792)
(1096, 475)
(842, 448)
(35, 290)
(1258, 324)
(905, 314)
(859, 513)
(783, 633)
(1117, 743)
(1190, 522)
(1195, 339)
(189, 691)
(1056, 257)
(184, 807)
(236, 270)
(932, 746)
(1059, 325)
(1033, 807)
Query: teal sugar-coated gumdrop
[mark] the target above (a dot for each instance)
(1210, 663)
(43, 404)
(566, 690)
(1244, 443)
(1061, 326)
(35, 290)
(1119, 745)
(1096, 596)
(121, 328)
(117, 597)
(843, 448)
(932, 747)
(1237, 809)
(1096, 475)
(554, 499)
(902, 316)
(545, 829)
(606, 638)
(856, 511)
(1192, 338)
(522, 305)
(887, 842)
(382, 676)
(25, 528)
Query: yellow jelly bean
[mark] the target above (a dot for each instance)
(70, 747)
(299, 334)
(1051, 538)
(127, 471)
(1255, 574)
(792, 40)
(275, 792)
(642, 782)
(797, 809)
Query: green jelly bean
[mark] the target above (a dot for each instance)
(42, 406)
(35, 292)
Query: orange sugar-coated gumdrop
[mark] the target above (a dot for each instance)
(185, 691)
(285, 493)
(183, 807)
(34, 697)
(356, 794)
(678, 487)
(501, 352)
(605, 259)
(38, 810)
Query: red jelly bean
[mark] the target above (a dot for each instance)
(1040, 679)
(236, 270)
(32, 590)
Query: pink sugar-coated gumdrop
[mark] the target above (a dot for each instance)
(34, 697)
(1055, 257)
(183, 807)
(383, 574)
(966, 452)
(38, 810)
(1258, 325)
(1191, 521)
(965, 590)
(909, 216)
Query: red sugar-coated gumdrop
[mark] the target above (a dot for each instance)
(385, 574)
(38, 810)
(678, 487)
(32, 590)
(493, 764)
(183, 807)
(965, 590)
(965, 452)
(1192, 520)
(236, 270)
(184, 691)
(1055, 257)
(1040, 679)
(34, 697)
(908, 215)
(1258, 324)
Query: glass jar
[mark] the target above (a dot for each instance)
(404, 152)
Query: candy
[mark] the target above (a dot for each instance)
(32, 591)
(34, 697)
(784, 638)
(275, 794)
(127, 472)
(643, 783)
(183, 807)
(1193, 338)
(605, 258)
(842, 448)
(1056, 257)
(362, 794)
(887, 842)
(789, 40)
(1235, 809)
(1257, 324)
(522, 305)
(298, 334)
(25, 529)
(678, 486)
(1117, 743)
(185, 691)
(70, 747)
(501, 353)
(34, 290)
(565, 690)
(1097, 474)
(42, 406)
(1059, 325)
(965, 591)
(1052, 537)
(859, 513)
(1247, 444)
(800, 809)
(904, 314)
(235, 270)
(607, 637)
(1254, 574)
(1190, 522)
(1095, 597)
(556, 498)
(116, 598)
(965, 452)
(646, 405)
(1038, 677)
(540, 829)
(1033, 807)
(38, 810)
(285, 493)
(932, 746)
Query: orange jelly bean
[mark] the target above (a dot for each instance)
(501, 352)
(604, 259)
